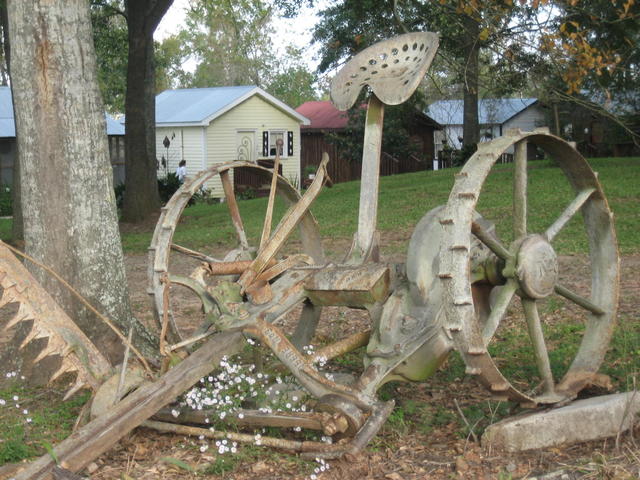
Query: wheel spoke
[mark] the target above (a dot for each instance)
(193, 253)
(579, 300)
(539, 346)
(490, 241)
(520, 190)
(498, 309)
(234, 211)
(288, 222)
(568, 213)
(268, 217)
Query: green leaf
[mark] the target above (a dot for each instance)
(179, 463)
(49, 448)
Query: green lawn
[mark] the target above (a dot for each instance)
(404, 199)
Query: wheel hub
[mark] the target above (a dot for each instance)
(537, 267)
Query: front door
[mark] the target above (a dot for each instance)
(246, 145)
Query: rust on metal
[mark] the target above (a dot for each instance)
(291, 218)
(343, 346)
(49, 321)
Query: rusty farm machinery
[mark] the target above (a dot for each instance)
(453, 292)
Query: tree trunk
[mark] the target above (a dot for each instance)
(471, 126)
(69, 209)
(141, 196)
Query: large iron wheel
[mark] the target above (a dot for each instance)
(206, 269)
(527, 268)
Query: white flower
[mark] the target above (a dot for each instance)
(241, 415)
(204, 448)
(175, 413)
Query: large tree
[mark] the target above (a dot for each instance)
(111, 42)
(69, 210)
(465, 27)
(141, 196)
(230, 41)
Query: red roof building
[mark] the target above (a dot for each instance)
(323, 115)
(327, 119)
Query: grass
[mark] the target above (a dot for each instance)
(404, 199)
(51, 421)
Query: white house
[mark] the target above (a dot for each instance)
(495, 116)
(205, 126)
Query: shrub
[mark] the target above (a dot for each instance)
(6, 201)
(167, 186)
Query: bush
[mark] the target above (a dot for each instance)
(167, 186)
(6, 201)
(461, 156)
(119, 191)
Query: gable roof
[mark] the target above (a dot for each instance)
(7, 121)
(200, 106)
(323, 115)
(491, 111)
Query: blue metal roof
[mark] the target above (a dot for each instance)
(7, 123)
(491, 111)
(199, 106)
(114, 127)
(7, 126)
(196, 105)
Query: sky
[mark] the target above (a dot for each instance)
(296, 31)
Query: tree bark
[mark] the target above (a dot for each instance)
(69, 209)
(471, 126)
(141, 196)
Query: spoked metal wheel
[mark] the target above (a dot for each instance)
(477, 297)
(206, 270)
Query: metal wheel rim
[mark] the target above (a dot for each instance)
(160, 248)
(461, 323)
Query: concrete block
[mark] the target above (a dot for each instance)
(581, 421)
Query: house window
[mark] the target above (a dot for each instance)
(269, 143)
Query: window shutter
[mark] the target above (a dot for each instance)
(289, 144)
(265, 144)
